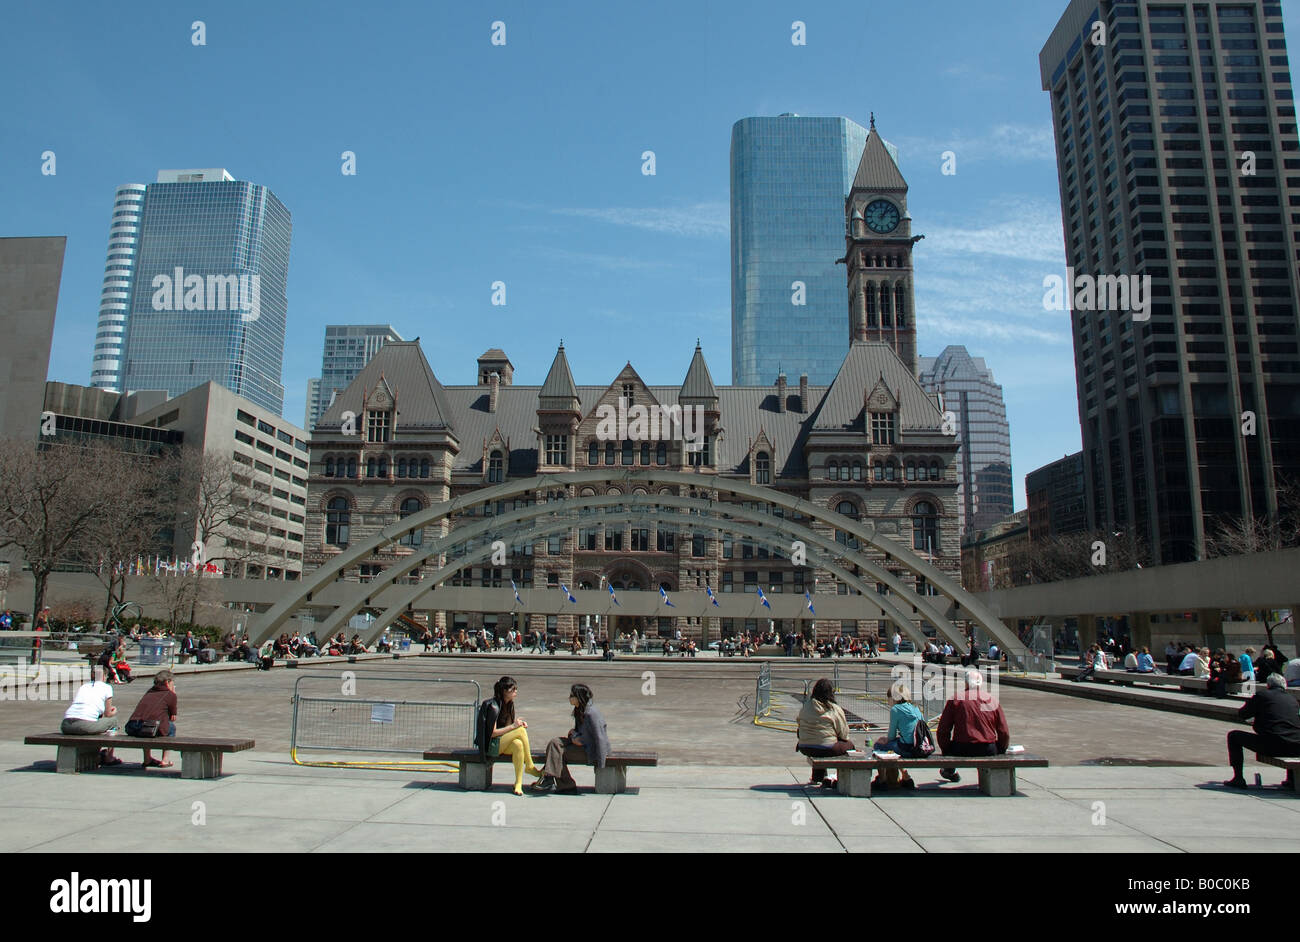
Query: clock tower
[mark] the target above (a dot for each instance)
(879, 241)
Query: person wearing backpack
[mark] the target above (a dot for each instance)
(500, 733)
(908, 735)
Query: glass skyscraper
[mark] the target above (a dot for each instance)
(984, 491)
(348, 348)
(1176, 151)
(115, 296)
(789, 179)
(208, 300)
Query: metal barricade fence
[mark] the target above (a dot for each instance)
(763, 691)
(382, 714)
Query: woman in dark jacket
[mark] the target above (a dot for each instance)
(586, 744)
(500, 733)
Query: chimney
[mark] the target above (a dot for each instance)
(803, 394)
(494, 387)
(780, 392)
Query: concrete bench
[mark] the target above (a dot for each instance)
(997, 774)
(200, 758)
(476, 775)
(1124, 678)
(1292, 766)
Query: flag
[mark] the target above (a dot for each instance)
(516, 591)
(763, 598)
(613, 596)
(712, 598)
(664, 595)
(567, 593)
(811, 611)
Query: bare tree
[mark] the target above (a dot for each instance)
(1077, 555)
(1240, 535)
(219, 499)
(49, 494)
(183, 596)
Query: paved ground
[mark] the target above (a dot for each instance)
(267, 804)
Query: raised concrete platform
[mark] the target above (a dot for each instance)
(265, 803)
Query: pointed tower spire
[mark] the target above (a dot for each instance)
(559, 381)
(698, 389)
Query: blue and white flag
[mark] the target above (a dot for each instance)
(568, 594)
(712, 598)
(763, 598)
(613, 596)
(811, 611)
(516, 590)
(664, 595)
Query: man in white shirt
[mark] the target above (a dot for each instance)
(1188, 665)
(898, 639)
(91, 712)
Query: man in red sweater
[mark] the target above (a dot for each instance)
(972, 724)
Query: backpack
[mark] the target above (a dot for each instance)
(922, 739)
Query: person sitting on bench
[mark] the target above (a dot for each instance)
(823, 729)
(155, 715)
(972, 724)
(1277, 728)
(586, 743)
(903, 717)
(91, 713)
(501, 733)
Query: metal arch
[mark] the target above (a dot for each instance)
(570, 516)
(888, 604)
(436, 513)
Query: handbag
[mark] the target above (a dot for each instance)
(144, 729)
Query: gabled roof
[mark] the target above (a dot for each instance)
(559, 381)
(877, 169)
(866, 366)
(400, 364)
(698, 383)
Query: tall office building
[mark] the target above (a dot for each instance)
(984, 491)
(208, 295)
(790, 176)
(1056, 499)
(1175, 137)
(348, 348)
(115, 296)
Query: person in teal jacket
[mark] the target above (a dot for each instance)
(903, 717)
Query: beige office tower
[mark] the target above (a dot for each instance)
(1180, 172)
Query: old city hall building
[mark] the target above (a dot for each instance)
(870, 446)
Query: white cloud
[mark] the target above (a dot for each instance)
(707, 220)
(1028, 230)
(1003, 142)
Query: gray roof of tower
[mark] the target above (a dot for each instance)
(699, 382)
(877, 169)
(864, 366)
(559, 381)
(421, 399)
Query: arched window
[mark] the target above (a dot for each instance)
(891, 471)
(847, 508)
(934, 471)
(424, 468)
(338, 522)
(762, 468)
(850, 510)
(370, 467)
(645, 453)
(609, 452)
(401, 467)
(900, 306)
(352, 467)
(409, 506)
(833, 471)
(661, 453)
(886, 318)
(879, 471)
(495, 473)
(871, 305)
(383, 467)
(911, 470)
(925, 527)
(627, 451)
(593, 453)
(329, 467)
(857, 470)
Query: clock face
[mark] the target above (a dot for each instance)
(882, 216)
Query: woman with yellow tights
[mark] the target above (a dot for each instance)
(509, 736)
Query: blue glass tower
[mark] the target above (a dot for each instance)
(789, 178)
(209, 292)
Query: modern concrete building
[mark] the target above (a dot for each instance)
(985, 491)
(208, 290)
(30, 271)
(789, 178)
(115, 295)
(1177, 151)
(348, 348)
(869, 446)
(1056, 499)
(270, 463)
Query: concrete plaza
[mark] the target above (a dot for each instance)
(723, 783)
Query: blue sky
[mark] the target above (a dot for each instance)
(522, 163)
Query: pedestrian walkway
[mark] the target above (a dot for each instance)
(264, 803)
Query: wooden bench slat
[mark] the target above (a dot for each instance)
(174, 743)
(931, 762)
(472, 755)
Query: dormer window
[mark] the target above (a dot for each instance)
(378, 426)
(882, 428)
(762, 468)
(627, 393)
(495, 469)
